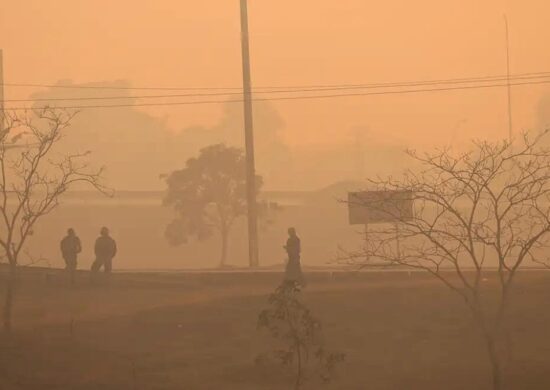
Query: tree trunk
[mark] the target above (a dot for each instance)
(298, 383)
(495, 363)
(10, 293)
(223, 258)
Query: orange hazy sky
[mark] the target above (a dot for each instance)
(188, 43)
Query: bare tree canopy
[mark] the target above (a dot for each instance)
(33, 178)
(486, 210)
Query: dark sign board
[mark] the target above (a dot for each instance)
(379, 207)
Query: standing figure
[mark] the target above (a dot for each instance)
(105, 249)
(70, 248)
(293, 270)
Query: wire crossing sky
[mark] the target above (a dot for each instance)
(324, 55)
(299, 97)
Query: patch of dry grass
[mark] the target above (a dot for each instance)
(183, 331)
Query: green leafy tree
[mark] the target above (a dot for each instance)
(208, 195)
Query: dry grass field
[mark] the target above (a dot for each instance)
(197, 330)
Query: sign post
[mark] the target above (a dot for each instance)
(397, 244)
(367, 242)
(368, 207)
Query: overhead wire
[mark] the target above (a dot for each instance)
(287, 98)
(278, 91)
(258, 89)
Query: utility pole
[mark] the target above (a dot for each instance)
(1, 92)
(253, 250)
(509, 87)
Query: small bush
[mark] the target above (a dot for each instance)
(288, 320)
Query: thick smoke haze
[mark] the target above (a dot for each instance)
(137, 147)
(392, 231)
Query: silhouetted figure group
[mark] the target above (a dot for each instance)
(293, 272)
(105, 250)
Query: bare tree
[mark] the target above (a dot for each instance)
(484, 213)
(32, 180)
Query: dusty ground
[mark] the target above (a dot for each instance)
(198, 331)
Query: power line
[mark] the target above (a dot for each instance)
(258, 89)
(34, 85)
(324, 89)
(305, 97)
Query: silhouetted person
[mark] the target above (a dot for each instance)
(105, 249)
(70, 248)
(293, 270)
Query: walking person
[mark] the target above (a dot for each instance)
(105, 250)
(293, 272)
(70, 248)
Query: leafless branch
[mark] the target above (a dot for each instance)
(33, 176)
(490, 205)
